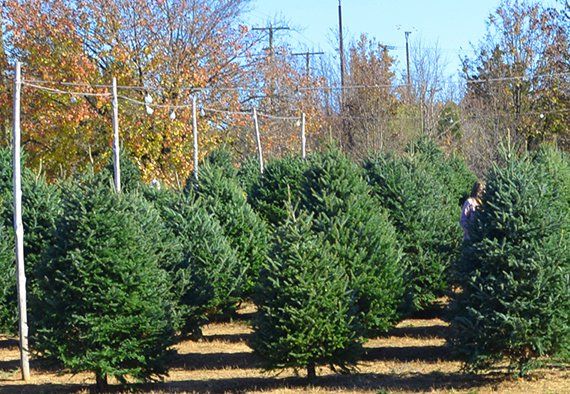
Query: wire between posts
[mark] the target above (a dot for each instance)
(58, 91)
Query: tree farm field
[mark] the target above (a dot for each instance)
(412, 357)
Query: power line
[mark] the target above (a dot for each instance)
(37, 84)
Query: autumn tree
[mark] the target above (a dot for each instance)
(168, 48)
(370, 101)
(515, 81)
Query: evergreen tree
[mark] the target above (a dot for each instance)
(281, 182)
(131, 176)
(359, 233)
(222, 159)
(413, 199)
(248, 175)
(207, 273)
(246, 232)
(515, 270)
(103, 304)
(306, 308)
(8, 308)
(40, 208)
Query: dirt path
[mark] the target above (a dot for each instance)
(413, 358)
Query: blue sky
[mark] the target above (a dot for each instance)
(452, 24)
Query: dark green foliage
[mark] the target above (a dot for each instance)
(280, 184)
(40, 208)
(103, 304)
(222, 159)
(515, 270)
(207, 274)
(249, 174)
(306, 308)
(8, 307)
(421, 192)
(359, 233)
(450, 171)
(246, 232)
(131, 177)
(411, 196)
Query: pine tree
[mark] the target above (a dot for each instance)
(359, 233)
(246, 232)
(281, 182)
(515, 270)
(103, 304)
(207, 273)
(306, 308)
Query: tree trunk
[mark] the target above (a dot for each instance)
(311, 373)
(101, 380)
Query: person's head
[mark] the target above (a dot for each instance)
(477, 190)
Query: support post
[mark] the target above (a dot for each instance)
(116, 148)
(258, 140)
(195, 135)
(19, 230)
(303, 137)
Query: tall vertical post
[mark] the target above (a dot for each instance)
(409, 81)
(116, 148)
(195, 136)
(303, 137)
(19, 229)
(258, 140)
(341, 49)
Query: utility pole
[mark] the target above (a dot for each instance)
(407, 33)
(271, 29)
(307, 59)
(341, 49)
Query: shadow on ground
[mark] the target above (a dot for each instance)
(367, 381)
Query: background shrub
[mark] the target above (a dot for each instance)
(306, 312)
(515, 302)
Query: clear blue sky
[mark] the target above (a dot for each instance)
(452, 24)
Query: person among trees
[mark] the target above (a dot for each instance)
(469, 208)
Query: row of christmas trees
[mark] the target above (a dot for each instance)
(331, 253)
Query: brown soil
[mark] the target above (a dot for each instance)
(413, 358)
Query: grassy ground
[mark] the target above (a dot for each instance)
(412, 358)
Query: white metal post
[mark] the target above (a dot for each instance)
(195, 134)
(116, 148)
(19, 230)
(258, 139)
(303, 137)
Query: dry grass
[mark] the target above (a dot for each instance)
(413, 358)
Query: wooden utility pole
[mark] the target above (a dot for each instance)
(341, 49)
(258, 140)
(116, 148)
(271, 29)
(409, 81)
(195, 135)
(19, 229)
(307, 60)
